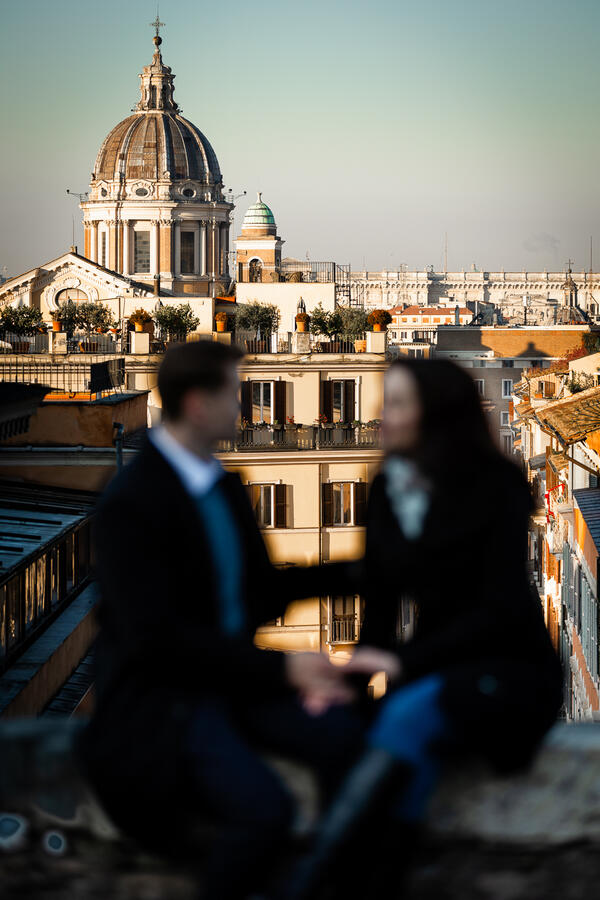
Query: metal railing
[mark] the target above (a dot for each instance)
(344, 629)
(68, 378)
(303, 437)
(44, 584)
(23, 343)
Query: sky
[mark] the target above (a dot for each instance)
(372, 128)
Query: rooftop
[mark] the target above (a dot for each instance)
(574, 417)
(588, 501)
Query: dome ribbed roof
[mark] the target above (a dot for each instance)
(259, 216)
(156, 139)
(149, 143)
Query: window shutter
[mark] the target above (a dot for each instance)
(279, 408)
(280, 506)
(360, 503)
(327, 514)
(349, 400)
(246, 400)
(327, 400)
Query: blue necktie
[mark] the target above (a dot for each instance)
(224, 540)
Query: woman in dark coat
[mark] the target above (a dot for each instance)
(447, 537)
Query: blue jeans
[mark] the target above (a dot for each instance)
(413, 727)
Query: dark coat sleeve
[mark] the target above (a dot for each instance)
(147, 621)
(504, 596)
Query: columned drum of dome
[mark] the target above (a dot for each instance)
(156, 209)
(258, 248)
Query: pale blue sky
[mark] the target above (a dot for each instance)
(371, 127)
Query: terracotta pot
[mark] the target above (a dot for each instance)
(138, 326)
(56, 326)
(98, 330)
(300, 326)
(360, 346)
(221, 325)
(377, 327)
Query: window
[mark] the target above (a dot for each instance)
(508, 363)
(338, 400)
(263, 401)
(269, 504)
(187, 253)
(404, 335)
(504, 419)
(344, 503)
(507, 387)
(416, 352)
(480, 385)
(507, 443)
(103, 256)
(70, 294)
(141, 251)
(255, 270)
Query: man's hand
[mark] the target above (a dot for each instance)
(369, 660)
(319, 683)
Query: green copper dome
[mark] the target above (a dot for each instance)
(259, 216)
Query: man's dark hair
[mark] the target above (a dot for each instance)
(196, 364)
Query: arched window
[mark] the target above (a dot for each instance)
(255, 270)
(71, 294)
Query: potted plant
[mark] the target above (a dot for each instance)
(354, 324)
(93, 317)
(21, 321)
(139, 318)
(221, 320)
(261, 318)
(176, 322)
(379, 319)
(67, 317)
(302, 321)
(291, 425)
(327, 323)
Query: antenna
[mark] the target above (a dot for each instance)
(591, 256)
(445, 252)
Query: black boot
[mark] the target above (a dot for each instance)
(373, 782)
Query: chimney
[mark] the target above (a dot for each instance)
(457, 314)
(157, 285)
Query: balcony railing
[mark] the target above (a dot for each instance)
(343, 629)
(68, 378)
(304, 437)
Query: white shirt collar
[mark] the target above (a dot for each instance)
(198, 475)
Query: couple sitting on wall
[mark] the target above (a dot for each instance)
(187, 706)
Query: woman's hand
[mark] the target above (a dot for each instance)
(369, 660)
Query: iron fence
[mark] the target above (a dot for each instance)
(23, 343)
(69, 378)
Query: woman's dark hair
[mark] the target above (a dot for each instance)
(196, 364)
(454, 432)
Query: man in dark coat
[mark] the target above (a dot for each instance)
(185, 702)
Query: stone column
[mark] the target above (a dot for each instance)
(94, 241)
(177, 248)
(203, 248)
(216, 250)
(112, 244)
(214, 238)
(126, 247)
(226, 248)
(166, 263)
(154, 248)
(119, 265)
(196, 248)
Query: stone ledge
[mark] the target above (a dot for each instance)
(534, 836)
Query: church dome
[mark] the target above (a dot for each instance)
(156, 142)
(259, 216)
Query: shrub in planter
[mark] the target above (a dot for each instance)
(68, 316)
(176, 321)
(255, 316)
(326, 323)
(94, 317)
(354, 323)
(379, 319)
(139, 318)
(21, 320)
